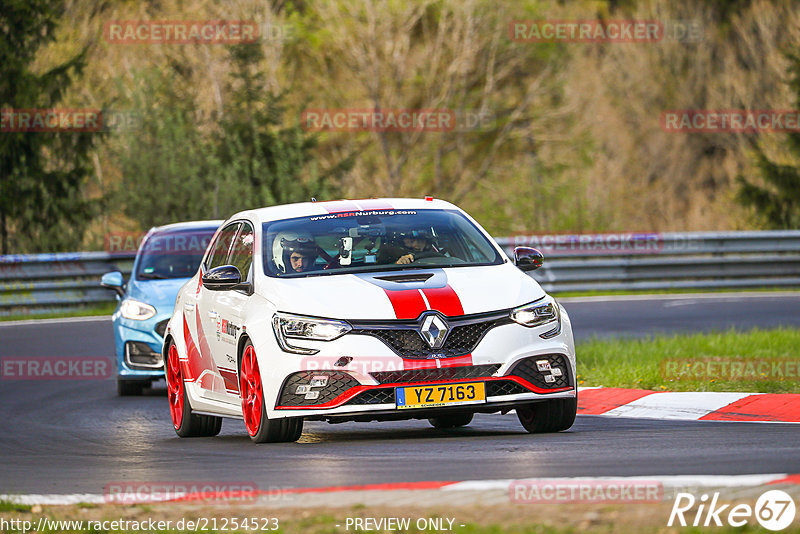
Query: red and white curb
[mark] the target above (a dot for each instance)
(668, 482)
(693, 406)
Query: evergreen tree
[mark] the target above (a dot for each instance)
(42, 175)
(778, 199)
(272, 160)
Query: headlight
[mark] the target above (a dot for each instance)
(138, 311)
(287, 325)
(537, 313)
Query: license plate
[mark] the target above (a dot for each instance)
(437, 395)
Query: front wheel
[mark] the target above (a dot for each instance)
(548, 416)
(186, 423)
(260, 428)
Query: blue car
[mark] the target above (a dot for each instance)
(167, 258)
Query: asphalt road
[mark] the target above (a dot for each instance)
(77, 436)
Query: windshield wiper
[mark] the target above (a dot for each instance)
(152, 276)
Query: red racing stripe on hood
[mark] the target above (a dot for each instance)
(407, 303)
(445, 300)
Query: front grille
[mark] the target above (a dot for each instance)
(496, 388)
(436, 375)
(161, 327)
(404, 339)
(374, 396)
(528, 370)
(338, 383)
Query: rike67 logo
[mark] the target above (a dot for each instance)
(774, 510)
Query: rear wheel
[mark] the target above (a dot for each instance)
(260, 428)
(186, 423)
(548, 416)
(130, 388)
(451, 420)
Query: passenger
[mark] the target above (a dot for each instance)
(294, 252)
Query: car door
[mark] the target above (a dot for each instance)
(229, 306)
(206, 322)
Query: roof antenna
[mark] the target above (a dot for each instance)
(313, 199)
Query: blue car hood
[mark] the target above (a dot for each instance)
(160, 294)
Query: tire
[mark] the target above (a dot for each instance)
(186, 423)
(131, 388)
(260, 428)
(548, 416)
(451, 420)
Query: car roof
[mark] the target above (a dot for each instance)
(188, 225)
(307, 209)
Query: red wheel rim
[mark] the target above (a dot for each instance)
(252, 395)
(175, 386)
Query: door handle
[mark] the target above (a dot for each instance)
(189, 307)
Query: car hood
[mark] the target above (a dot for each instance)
(406, 294)
(160, 294)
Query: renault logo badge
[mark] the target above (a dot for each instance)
(433, 330)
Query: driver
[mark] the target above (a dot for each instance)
(294, 252)
(409, 247)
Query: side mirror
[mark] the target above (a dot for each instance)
(222, 278)
(528, 259)
(114, 281)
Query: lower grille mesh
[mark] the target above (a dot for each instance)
(338, 383)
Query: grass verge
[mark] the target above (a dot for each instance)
(764, 361)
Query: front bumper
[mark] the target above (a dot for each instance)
(365, 368)
(528, 379)
(133, 341)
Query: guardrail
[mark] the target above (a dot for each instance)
(650, 261)
(41, 283)
(45, 283)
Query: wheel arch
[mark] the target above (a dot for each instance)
(243, 339)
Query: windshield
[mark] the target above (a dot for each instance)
(374, 241)
(173, 254)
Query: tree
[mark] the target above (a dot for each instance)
(166, 162)
(42, 175)
(273, 161)
(777, 200)
(174, 168)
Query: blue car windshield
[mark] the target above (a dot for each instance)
(376, 240)
(172, 254)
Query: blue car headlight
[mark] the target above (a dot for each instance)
(135, 310)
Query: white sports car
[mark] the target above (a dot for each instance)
(362, 310)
